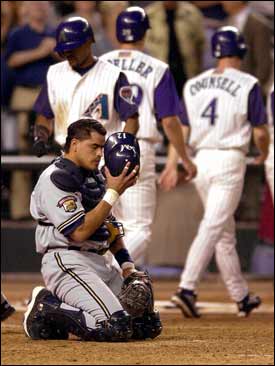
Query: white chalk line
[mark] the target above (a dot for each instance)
(204, 307)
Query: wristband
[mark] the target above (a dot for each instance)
(123, 259)
(111, 196)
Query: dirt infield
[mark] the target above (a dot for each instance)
(214, 339)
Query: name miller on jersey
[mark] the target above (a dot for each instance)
(132, 65)
(214, 82)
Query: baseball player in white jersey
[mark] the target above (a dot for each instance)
(269, 164)
(223, 107)
(74, 230)
(154, 91)
(82, 85)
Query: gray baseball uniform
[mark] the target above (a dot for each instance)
(81, 279)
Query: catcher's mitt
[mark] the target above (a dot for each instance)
(136, 294)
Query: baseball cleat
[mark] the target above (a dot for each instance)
(249, 303)
(6, 310)
(186, 302)
(31, 314)
(37, 322)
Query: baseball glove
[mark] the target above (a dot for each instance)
(136, 294)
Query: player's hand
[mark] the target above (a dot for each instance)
(259, 160)
(123, 181)
(40, 148)
(46, 46)
(128, 271)
(190, 170)
(168, 178)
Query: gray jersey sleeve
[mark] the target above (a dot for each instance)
(63, 209)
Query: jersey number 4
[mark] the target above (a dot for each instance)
(98, 109)
(210, 111)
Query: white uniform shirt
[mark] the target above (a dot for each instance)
(148, 77)
(69, 95)
(218, 107)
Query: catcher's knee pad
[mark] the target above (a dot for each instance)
(117, 328)
(147, 326)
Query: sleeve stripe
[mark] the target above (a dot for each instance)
(71, 220)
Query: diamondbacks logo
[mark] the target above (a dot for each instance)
(68, 203)
(131, 94)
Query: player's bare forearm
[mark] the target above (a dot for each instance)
(132, 125)
(262, 140)
(93, 220)
(173, 130)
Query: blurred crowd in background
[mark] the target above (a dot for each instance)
(180, 35)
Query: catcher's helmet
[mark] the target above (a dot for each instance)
(73, 33)
(228, 41)
(120, 148)
(131, 25)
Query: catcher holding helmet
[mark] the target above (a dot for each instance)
(72, 204)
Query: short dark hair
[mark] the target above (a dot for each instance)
(81, 130)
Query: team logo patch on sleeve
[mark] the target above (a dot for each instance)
(132, 94)
(68, 203)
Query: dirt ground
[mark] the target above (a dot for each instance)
(219, 337)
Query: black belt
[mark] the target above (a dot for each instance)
(42, 223)
(72, 247)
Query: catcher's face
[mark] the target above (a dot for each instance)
(88, 152)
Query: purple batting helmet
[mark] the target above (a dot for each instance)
(120, 148)
(228, 41)
(73, 33)
(131, 25)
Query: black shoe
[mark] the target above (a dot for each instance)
(37, 322)
(6, 310)
(249, 303)
(186, 301)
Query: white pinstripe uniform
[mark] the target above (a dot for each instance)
(136, 207)
(72, 96)
(217, 107)
(269, 165)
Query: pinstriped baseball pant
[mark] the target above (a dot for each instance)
(269, 166)
(84, 281)
(136, 206)
(219, 183)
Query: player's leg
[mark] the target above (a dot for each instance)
(48, 318)
(136, 208)
(226, 184)
(228, 262)
(83, 302)
(229, 265)
(6, 309)
(269, 169)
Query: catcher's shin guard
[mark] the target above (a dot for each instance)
(37, 324)
(118, 328)
(147, 326)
